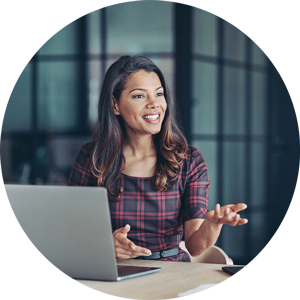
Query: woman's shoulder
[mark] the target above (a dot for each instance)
(193, 153)
(193, 159)
(193, 164)
(85, 152)
(87, 148)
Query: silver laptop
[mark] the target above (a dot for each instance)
(71, 227)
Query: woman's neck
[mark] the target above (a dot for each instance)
(140, 147)
(139, 157)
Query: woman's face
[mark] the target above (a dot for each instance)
(142, 104)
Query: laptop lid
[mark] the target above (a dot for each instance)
(70, 226)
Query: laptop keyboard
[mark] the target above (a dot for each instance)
(124, 270)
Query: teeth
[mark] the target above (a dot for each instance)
(151, 117)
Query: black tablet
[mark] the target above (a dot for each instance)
(261, 270)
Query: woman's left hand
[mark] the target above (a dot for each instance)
(227, 214)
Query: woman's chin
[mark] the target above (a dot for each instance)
(155, 131)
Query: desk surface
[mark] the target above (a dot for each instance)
(174, 278)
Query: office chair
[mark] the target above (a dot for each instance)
(213, 255)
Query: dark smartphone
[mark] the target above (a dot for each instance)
(232, 270)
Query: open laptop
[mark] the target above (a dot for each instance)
(71, 227)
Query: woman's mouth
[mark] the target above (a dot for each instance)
(153, 118)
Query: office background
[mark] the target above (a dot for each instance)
(235, 107)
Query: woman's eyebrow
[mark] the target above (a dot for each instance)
(140, 89)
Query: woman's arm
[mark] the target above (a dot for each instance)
(201, 234)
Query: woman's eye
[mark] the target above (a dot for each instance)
(159, 94)
(138, 96)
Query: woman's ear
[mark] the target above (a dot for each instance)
(115, 106)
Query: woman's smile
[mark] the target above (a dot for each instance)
(152, 118)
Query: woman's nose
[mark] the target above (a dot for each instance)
(152, 103)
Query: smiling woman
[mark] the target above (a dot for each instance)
(155, 181)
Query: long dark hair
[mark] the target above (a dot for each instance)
(109, 134)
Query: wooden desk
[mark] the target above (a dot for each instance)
(174, 278)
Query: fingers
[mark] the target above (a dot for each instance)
(126, 254)
(125, 248)
(243, 221)
(125, 229)
(131, 247)
(227, 217)
(227, 214)
(222, 215)
(235, 220)
(217, 215)
(237, 207)
(123, 240)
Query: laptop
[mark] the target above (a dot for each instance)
(71, 227)
(262, 270)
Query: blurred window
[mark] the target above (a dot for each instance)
(45, 102)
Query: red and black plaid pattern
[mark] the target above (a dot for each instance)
(156, 217)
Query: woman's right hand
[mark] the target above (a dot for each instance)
(125, 248)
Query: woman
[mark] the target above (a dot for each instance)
(156, 183)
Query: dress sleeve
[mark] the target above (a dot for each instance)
(81, 174)
(195, 196)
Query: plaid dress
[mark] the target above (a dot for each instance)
(156, 217)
